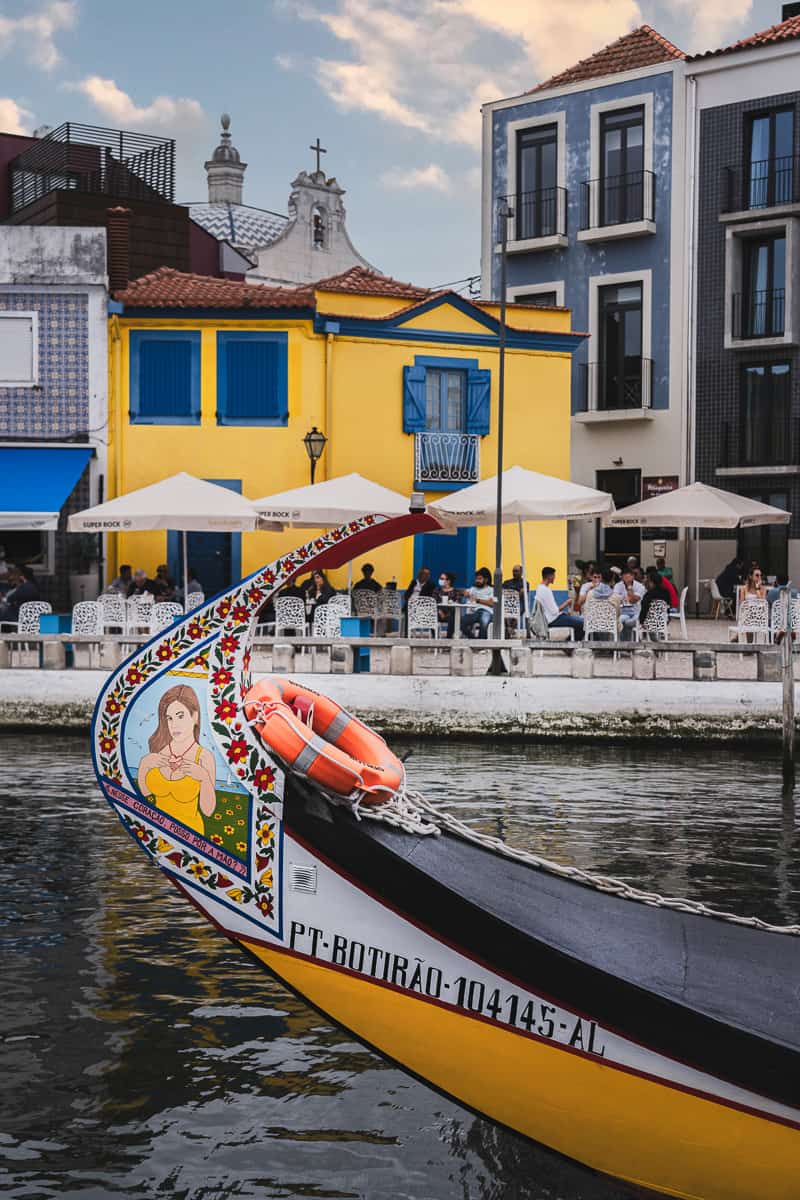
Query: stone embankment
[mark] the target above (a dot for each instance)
(538, 708)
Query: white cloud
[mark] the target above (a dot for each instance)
(36, 32)
(432, 176)
(164, 111)
(712, 23)
(430, 69)
(14, 118)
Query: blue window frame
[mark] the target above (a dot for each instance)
(165, 376)
(463, 393)
(252, 378)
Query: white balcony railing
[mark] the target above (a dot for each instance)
(446, 457)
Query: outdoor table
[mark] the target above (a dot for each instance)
(457, 604)
(357, 627)
(56, 623)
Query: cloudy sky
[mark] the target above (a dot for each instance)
(394, 94)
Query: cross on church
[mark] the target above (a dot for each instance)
(318, 149)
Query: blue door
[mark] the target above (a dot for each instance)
(447, 552)
(215, 557)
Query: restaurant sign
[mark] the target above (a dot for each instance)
(658, 485)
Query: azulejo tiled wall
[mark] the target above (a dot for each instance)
(59, 406)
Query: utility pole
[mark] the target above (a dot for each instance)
(497, 666)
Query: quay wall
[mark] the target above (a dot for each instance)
(533, 709)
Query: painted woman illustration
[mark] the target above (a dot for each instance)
(179, 774)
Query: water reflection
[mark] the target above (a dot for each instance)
(143, 1055)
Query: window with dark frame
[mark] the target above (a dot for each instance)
(769, 152)
(766, 439)
(537, 178)
(621, 166)
(620, 338)
(762, 304)
(540, 299)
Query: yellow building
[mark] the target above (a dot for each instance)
(224, 379)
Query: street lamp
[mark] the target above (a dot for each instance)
(497, 666)
(314, 442)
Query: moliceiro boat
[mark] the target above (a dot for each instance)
(650, 1040)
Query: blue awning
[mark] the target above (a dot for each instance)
(35, 482)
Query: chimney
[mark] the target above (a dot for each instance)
(118, 229)
(790, 10)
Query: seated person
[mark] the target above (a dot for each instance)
(448, 596)
(518, 585)
(119, 586)
(23, 589)
(589, 570)
(318, 592)
(664, 571)
(165, 583)
(602, 589)
(728, 579)
(654, 590)
(482, 595)
(630, 593)
(669, 588)
(421, 586)
(194, 584)
(554, 613)
(140, 585)
(368, 583)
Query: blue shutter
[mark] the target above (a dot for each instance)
(479, 384)
(252, 382)
(413, 399)
(165, 377)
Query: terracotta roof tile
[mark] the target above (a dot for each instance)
(365, 282)
(167, 288)
(784, 31)
(641, 48)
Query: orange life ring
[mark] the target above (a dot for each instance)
(319, 739)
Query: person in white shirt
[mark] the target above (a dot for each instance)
(630, 593)
(482, 594)
(554, 613)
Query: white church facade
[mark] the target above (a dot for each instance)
(308, 244)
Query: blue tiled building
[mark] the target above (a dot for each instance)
(53, 401)
(591, 166)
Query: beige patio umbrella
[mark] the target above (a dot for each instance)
(698, 506)
(332, 502)
(527, 496)
(181, 502)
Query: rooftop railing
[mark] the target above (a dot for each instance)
(87, 158)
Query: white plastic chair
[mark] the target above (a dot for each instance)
(752, 621)
(87, 617)
(326, 622)
(340, 603)
(679, 613)
(600, 617)
(390, 607)
(139, 615)
(423, 616)
(366, 604)
(290, 614)
(512, 610)
(723, 605)
(165, 613)
(656, 623)
(112, 612)
(194, 600)
(28, 620)
(777, 617)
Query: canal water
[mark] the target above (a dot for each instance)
(143, 1056)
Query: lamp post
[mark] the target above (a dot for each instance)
(497, 666)
(314, 442)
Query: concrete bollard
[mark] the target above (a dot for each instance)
(5, 655)
(54, 656)
(380, 660)
(582, 663)
(85, 656)
(519, 661)
(644, 664)
(282, 658)
(112, 655)
(341, 659)
(400, 660)
(461, 660)
(321, 660)
(705, 664)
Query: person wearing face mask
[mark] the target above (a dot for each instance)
(447, 595)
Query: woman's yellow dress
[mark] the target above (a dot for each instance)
(179, 798)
